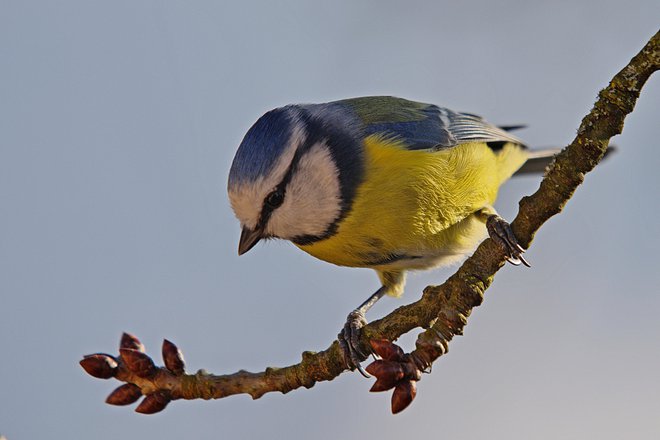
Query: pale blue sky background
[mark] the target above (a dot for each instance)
(118, 123)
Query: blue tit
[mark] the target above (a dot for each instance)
(377, 182)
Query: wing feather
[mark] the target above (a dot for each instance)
(423, 126)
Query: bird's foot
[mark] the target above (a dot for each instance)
(500, 231)
(349, 341)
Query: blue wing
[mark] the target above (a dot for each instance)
(423, 126)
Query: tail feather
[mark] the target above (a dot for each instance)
(512, 127)
(539, 160)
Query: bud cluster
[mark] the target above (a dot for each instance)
(133, 360)
(397, 370)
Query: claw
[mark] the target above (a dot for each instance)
(349, 341)
(349, 336)
(351, 357)
(500, 231)
(362, 371)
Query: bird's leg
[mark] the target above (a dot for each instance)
(500, 231)
(349, 337)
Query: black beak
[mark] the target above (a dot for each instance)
(248, 239)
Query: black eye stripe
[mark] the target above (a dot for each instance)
(267, 207)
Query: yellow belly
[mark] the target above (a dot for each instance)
(415, 209)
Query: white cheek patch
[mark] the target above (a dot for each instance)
(312, 201)
(247, 199)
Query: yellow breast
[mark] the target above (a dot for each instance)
(417, 203)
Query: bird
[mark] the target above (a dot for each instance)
(377, 182)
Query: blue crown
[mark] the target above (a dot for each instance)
(262, 146)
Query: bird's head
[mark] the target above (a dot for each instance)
(294, 174)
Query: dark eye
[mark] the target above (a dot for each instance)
(275, 199)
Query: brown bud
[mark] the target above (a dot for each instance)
(173, 358)
(124, 395)
(410, 371)
(154, 403)
(138, 362)
(403, 395)
(387, 350)
(383, 384)
(100, 365)
(130, 341)
(386, 369)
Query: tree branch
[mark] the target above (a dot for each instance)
(443, 310)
